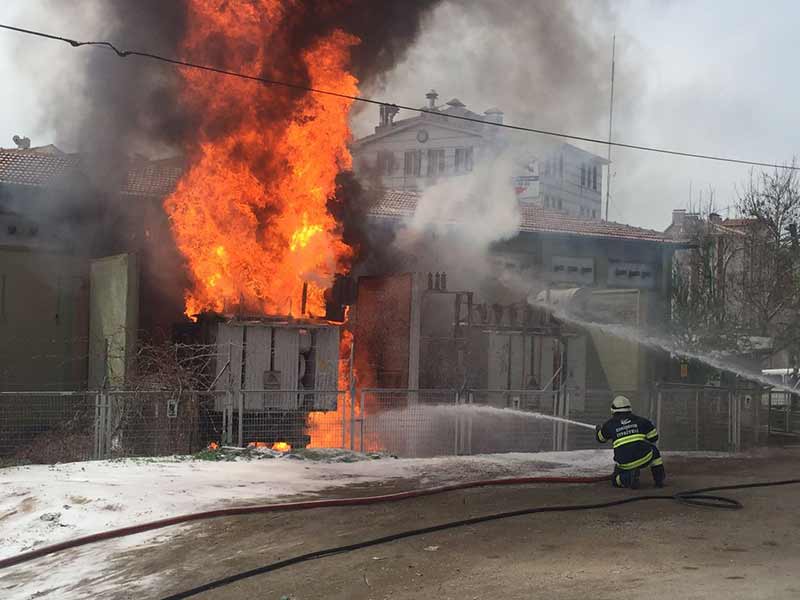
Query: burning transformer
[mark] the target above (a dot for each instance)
(271, 372)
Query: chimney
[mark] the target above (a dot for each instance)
(387, 114)
(494, 115)
(23, 143)
(679, 218)
(432, 96)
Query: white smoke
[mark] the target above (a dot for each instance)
(483, 204)
(458, 219)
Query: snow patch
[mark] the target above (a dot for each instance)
(47, 504)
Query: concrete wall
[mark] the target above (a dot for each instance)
(43, 320)
(113, 323)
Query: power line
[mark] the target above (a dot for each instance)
(125, 53)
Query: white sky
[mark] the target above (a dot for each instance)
(713, 78)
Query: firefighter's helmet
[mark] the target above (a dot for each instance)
(620, 404)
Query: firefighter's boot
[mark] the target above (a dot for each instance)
(659, 475)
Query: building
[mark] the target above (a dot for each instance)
(72, 257)
(415, 152)
(579, 275)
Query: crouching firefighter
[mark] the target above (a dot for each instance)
(633, 438)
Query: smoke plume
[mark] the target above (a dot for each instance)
(545, 64)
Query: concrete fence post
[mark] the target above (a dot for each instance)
(697, 420)
(659, 424)
(240, 417)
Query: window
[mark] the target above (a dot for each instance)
(630, 275)
(547, 167)
(583, 175)
(594, 178)
(569, 269)
(385, 163)
(561, 166)
(413, 163)
(435, 162)
(463, 160)
(594, 214)
(546, 201)
(560, 204)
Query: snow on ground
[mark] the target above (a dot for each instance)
(46, 504)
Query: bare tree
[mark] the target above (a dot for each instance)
(704, 313)
(769, 289)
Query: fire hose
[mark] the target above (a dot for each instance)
(699, 497)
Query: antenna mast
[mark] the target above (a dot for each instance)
(610, 120)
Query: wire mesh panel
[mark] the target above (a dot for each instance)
(409, 423)
(290, 416)
(508, 421)
(156, 423)
(697, 418)
(47, 427)
(784, 413)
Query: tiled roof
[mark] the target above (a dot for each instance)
(32, 168)
(401, 205)
(155, 179)
(35, 168)
(739, 222)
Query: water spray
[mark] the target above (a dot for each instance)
(662, 343)
(496, 411)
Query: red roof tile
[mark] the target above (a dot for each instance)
(35, 168)
(157, 178)
(152, 180)
(401, 205)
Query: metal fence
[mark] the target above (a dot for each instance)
(711, 418)
(49, 427)
(422, 423)
(783, 414)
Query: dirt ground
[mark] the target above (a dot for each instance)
(658, 549)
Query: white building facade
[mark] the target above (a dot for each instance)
(413, 153)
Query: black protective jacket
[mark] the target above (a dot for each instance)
(631, 436)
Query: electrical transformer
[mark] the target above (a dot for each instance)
(278, 364)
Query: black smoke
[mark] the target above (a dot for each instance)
(120, 112)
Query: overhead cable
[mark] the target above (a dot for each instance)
(274, 82)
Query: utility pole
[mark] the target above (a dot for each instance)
(610, 119)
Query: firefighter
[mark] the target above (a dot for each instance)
(634, 440)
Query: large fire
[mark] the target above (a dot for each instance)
(327, 429)
(250, 212)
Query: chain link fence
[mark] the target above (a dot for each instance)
(712, 418)
(783, 413)
(50, 427)
(423, 423)
(407, 423)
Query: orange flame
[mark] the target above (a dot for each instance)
(250, 212)
(282, 447)
(326, 428)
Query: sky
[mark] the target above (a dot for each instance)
(704, 77)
